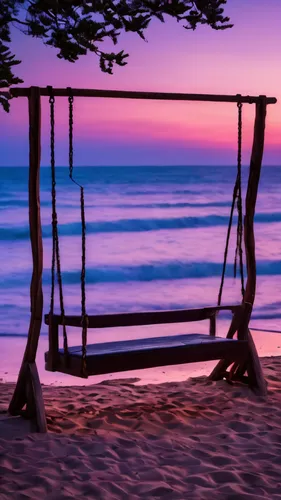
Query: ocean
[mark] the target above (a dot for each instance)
(155, 241)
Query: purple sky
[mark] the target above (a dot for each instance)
(243, 60)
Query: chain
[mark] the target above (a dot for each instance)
(84, 319)
(54, 214)
(227, 242)
(83, 283)
(236, 198)
(55, 236)
(239, 239)
(70, 138)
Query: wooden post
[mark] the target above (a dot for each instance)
(254, 368)
(252, 365)
(28, 371)
(213, 325)
(239, 319)
(251, 197)
(53, 353)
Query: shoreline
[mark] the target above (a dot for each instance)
(268, 344)
(128, 378)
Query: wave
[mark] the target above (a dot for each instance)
(17, 203)
(71, 204)
(165, 271)
(133, 225)
(17, 335)
(13, 203)
(146, 273)
(174, 205)
(128, 206)
(148, 190)
(258, 315)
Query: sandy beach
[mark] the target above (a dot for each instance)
(118, 440)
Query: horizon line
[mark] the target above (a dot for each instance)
(144, 165)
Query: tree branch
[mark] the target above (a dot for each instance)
(77, 27)
(15, 20)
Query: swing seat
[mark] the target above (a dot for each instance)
(118, 356)
(138, 354)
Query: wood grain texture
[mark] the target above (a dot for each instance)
(254, 369)
(36, 295)
(251, 198)
(213, 325)
(53, 335)
(128, 94)
(40, 415)
(120, 356)
(239, 323)
(144, 318)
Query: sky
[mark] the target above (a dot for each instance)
(243, 60)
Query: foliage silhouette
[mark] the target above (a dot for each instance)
(76, 27)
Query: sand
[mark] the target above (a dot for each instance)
(116, 440)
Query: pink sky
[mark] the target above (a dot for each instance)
(243, 60)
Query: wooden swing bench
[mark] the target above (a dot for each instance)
(143, 353)
(92, 359)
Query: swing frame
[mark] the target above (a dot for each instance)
(28, 391)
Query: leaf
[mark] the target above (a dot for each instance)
(5, 103)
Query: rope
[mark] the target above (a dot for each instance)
(54, 213)
(227, 243)
(70, 139)
(84, 319)
(236, 197)
(239, 240)
(55, 236)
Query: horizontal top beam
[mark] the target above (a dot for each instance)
(128, 94)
